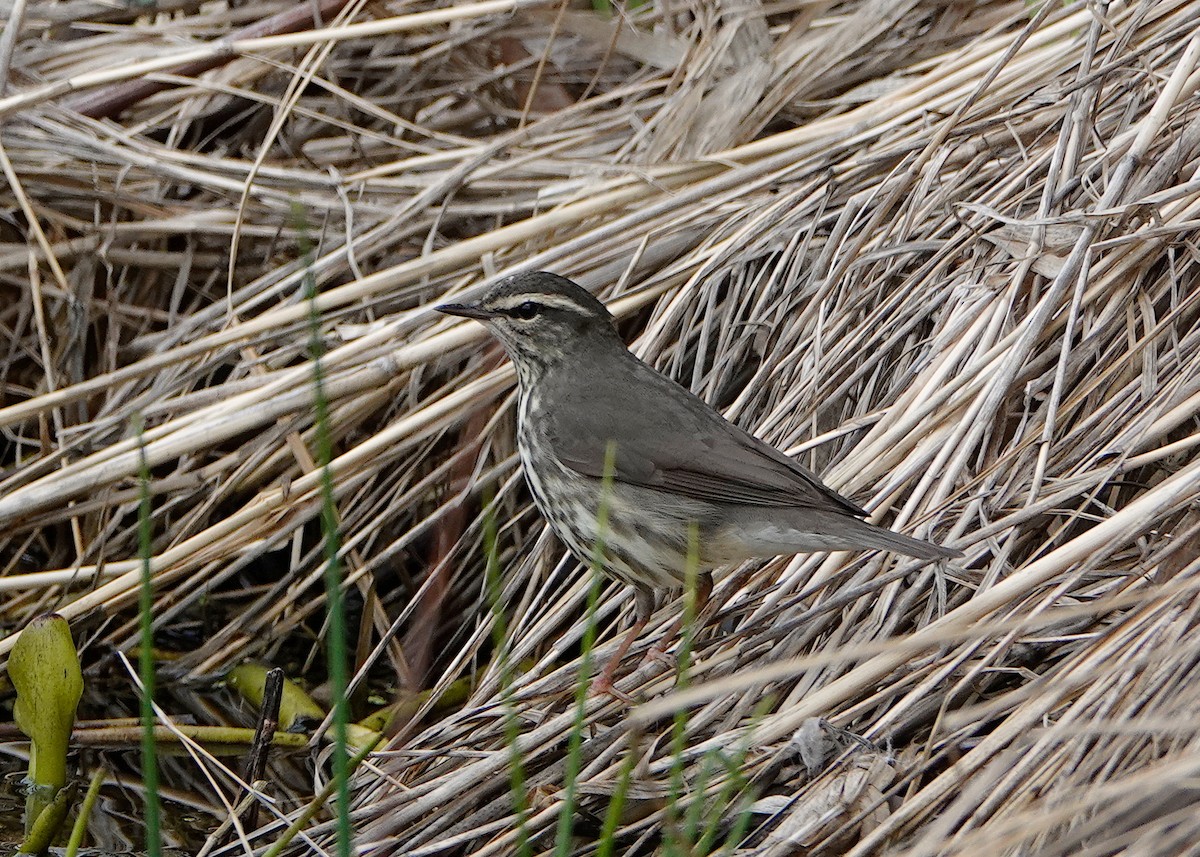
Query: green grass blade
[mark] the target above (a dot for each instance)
(336, 648)
(616, 804)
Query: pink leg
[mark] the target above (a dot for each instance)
(645, 609)
(704, 588)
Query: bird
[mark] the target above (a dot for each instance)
(683, 490)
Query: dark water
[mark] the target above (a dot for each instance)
(116, 825)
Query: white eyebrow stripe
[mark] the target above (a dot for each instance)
(556, 301)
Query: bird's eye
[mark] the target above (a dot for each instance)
(526, 310)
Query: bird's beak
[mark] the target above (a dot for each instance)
(466, 311)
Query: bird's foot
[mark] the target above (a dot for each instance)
(658, 653)
(604, 682)
(602, 687)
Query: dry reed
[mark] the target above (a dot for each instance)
(947, 254)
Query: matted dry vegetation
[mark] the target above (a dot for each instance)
(946, 252)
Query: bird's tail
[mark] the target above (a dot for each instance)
(871, 536)
(800, 530)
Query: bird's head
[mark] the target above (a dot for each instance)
(540, 319)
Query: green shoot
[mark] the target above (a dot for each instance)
(85, 811)
(616, 804)
(336, 650)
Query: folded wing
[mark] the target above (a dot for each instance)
(678, 444)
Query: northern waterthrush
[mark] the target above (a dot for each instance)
(685, 482)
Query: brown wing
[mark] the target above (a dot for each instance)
(668, 438)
